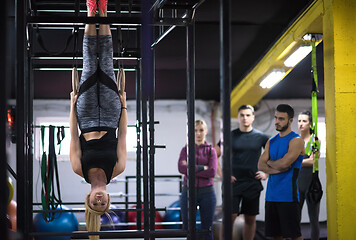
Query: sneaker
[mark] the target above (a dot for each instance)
(103, 6)
(92, 6)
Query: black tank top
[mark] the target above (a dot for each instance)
(99, 153)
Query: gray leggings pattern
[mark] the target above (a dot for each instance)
(99, 105)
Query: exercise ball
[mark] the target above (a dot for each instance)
(10, 189)
(174, 216)
(238, 227)
(8, 222)
(12, 211)
(132, 217)
(62, 222)
(116, 217)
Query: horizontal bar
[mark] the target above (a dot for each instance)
(173, 21)
(70, 69)
(134, 224)
(79, 58)
(83, 210)
(134, 234)
(134, 194)
(158, 233)
(82, 203)
(84, 11)
(51, 27)
(65, 20)
(158, 176)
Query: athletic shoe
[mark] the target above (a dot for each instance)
(92, 6)
(103, 6)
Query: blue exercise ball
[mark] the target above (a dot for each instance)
(116, 217)
(62, 222)
(174, 216)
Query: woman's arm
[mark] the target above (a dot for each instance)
(182, 161)
(308, 162)
(209, 170)
(121, 149)
(75, 152)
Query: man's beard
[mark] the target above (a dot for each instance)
(285, 127)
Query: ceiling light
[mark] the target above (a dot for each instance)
(272, 78)
(297, 56)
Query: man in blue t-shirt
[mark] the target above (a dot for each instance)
(282, 160)
(246, 146)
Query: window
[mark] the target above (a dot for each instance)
(131, 139)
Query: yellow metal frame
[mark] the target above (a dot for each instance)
(248, 90)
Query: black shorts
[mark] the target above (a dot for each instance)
(282, 219)
(248, 206)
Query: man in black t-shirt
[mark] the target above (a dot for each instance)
(246, 145)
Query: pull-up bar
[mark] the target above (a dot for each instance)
(69, 20)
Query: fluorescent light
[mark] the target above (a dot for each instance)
(272, 78)
(297, 56)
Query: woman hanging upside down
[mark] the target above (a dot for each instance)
(99, 109)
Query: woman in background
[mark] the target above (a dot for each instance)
(306, 173)
(205, 170)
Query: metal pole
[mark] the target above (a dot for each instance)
(151, 93)
(24, 215)
(3, 138)
(225, 90)
(127, 197)
(138, 150)
(190, 37)
(145, 162)
(29, 150)
(147, 75)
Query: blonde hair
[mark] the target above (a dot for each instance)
(92, 218)
(201, 122)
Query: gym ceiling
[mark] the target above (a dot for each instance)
(255, 26)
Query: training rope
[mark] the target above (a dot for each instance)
(314, 127)
(42, 45)
(49, 169)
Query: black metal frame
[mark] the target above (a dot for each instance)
(3, 126)
(225, 91)
(144, 112)
(190, 60)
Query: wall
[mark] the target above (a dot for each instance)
(171, 132)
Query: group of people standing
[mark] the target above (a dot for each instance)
(283, 162)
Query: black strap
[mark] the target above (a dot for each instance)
(54, 165)
(41, 43)
(60, 137)
(60, 134)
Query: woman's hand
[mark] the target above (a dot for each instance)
(73, 98)
(122, 96)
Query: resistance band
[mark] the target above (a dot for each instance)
(49, 169)
(315, 191)
(315, 90)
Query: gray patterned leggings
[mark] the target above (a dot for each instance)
(98, 105)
